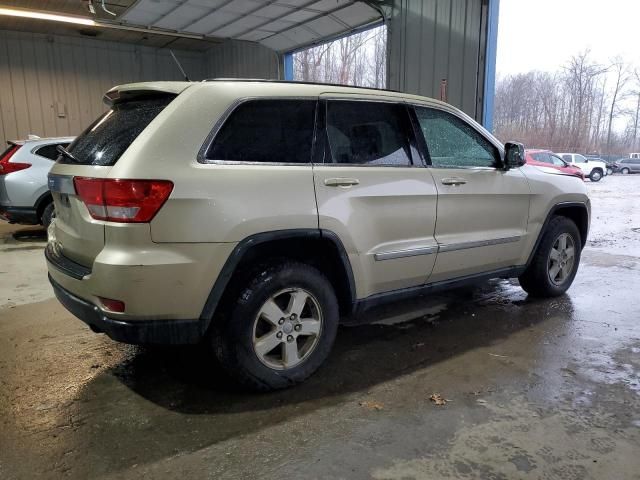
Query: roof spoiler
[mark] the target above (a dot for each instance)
(134, 91)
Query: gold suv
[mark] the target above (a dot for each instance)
(253, 215)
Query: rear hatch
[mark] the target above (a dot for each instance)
(76, 180)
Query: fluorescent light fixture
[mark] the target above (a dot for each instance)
(39, 15)
(17, 12)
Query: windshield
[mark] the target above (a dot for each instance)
(106, 139)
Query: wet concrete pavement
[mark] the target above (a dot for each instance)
(535, 388)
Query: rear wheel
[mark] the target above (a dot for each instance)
(555, 262)
(596, 175)
(278, 329)
(48, 214)
(624, 171)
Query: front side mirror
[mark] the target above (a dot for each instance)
(513, 155)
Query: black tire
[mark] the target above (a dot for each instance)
(48, 215)
(596, 175)
(232, 335)
(536, 279)
(625, 171)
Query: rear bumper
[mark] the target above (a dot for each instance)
(140, 332)
(22, 215)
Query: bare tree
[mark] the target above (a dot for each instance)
(358, 59)
(622, 76)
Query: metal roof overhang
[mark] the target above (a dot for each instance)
(282, 25)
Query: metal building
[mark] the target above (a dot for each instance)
(57, 57)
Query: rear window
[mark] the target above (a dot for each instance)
(106, 139)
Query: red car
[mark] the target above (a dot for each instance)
(546, 158)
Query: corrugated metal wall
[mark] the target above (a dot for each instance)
(237, 59)
(432, 40)
(52, 85)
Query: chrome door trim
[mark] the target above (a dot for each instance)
(412, 252)
(452, 247)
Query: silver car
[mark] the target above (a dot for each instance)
(24, 193)
(628, 165)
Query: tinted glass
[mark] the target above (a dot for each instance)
(273, 131)
(454, 143)
(50, 151)
(541, 157)
(106, 139)
(580, 159)
(368, 133)
(557, 161)
(566, 158)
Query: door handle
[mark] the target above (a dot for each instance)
(341, 182)
(453, 181)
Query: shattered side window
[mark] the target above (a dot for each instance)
(454, 143)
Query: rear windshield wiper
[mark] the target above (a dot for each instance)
(63, 151)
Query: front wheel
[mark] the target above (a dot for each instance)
(279, 328)
(624, 171)
(596, 175)
(555, 262)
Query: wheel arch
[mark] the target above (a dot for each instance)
(321, 248)
(43, 200)
(577, 212)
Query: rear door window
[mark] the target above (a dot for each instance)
(368, 133)
(106, 139)
(267, 131)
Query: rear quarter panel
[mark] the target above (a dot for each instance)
(214, 202)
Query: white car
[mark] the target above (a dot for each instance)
(594, 169)
(24, 193)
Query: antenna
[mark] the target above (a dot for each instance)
(179, 66)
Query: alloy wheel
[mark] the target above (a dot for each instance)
(287, 328)
(561, 259)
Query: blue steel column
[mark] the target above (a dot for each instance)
(288, 66)
(490, 64)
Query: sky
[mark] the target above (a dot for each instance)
(543, 34)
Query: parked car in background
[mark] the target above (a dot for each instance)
(634, 155)
(629, 165)
(593, 169)
(283, 209)
(546, 158)
(610, 165)
(24, 193)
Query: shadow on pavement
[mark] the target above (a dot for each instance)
(184, 382)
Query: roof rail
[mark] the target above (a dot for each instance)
(295, 82)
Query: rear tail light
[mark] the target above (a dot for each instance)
(6, 167)
(126, 201)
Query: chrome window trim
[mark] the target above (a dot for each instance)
(412, 252)
(452, 247)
